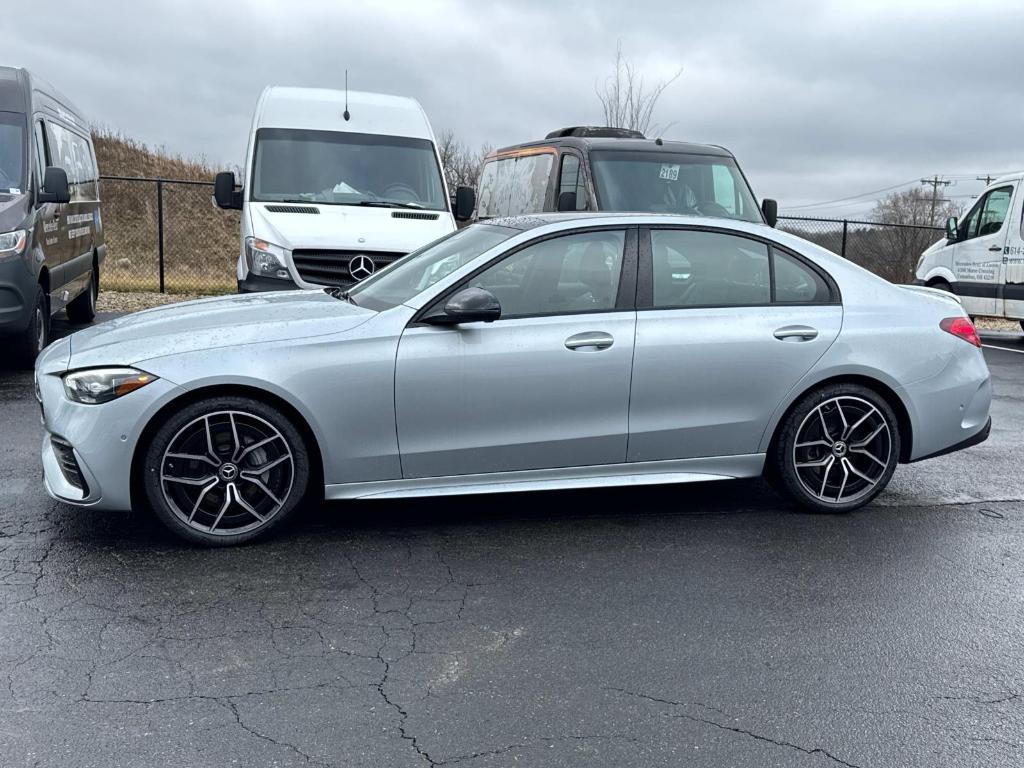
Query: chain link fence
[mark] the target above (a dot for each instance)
(888, 250)
(166, 236)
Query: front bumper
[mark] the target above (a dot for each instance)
(101, 438)
(256, 284)
(17, 295)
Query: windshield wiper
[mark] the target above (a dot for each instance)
(340, 293)
(385, 204)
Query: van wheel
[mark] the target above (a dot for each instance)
(37, 335)
(83, 308)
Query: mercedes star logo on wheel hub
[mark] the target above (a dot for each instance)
(360, 266)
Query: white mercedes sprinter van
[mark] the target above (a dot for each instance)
(981, 258)
(338, 185)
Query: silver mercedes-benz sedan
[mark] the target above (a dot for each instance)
(529, 353)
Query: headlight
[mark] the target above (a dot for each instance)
(12, 243)
(265, 259)
(101, 385)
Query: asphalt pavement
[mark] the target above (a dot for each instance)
(700, 625)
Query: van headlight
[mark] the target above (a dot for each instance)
(12, 243)
(93, 386)
(266, 259)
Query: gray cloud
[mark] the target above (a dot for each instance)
(817, 100)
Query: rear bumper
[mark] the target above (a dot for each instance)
(980, 437)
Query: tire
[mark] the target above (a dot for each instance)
(82, 309)
(35, 338)
(812, 441)
(226, 502)
(942, 285)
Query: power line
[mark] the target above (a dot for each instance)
(851, 197)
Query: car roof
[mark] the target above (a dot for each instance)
(325, 109)
(625, 145)
(600, 218)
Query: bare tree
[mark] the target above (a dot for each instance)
(892, 251)
(461, 164)
(626, 99)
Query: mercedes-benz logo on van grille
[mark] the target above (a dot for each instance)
(360, 266)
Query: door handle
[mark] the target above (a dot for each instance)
(591, 340)
(995, 248)
(801, 332)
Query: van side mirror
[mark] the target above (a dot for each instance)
(952, 229)
(224, 192)
(770, 209)
(470, 305)
(55, 187)
(567, 201)
(465, 202)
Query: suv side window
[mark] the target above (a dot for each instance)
(40, 143)
(571, 179)
(563, 275)
(694, 268)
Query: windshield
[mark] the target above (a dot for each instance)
(661, 182)
(12, 153)
(339, 168)
(408, 276)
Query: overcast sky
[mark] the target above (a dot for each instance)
(818, 100)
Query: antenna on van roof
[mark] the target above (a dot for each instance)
(345, 114)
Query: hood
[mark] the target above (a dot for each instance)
(13, 210)
(349, 227)
(212, 323)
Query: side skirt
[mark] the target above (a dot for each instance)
(606, 475)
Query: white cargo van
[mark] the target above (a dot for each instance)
(338, 185)
(981, 258)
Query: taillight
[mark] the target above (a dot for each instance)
(962, 328)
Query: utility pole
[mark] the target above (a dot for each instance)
(935, 183)
(987, 179)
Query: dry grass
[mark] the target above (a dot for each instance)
(200, 240)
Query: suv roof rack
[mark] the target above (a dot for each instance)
(595, 132)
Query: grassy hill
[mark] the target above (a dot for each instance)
(200, 240)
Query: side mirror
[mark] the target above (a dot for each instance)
(770, 209)
(465, 202)
(224, 192)
(567, 201)
(55, 187)
(952, 229)
(470, 305)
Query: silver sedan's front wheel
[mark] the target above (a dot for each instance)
(226, 471)
(837, 449)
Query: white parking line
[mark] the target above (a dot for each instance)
(1004, 349)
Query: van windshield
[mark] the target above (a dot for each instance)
(416, 272)
(662, 182)
(12, 153)
(336, 168)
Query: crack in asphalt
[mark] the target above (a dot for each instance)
(733, 729)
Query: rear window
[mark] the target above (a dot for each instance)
(511, 186)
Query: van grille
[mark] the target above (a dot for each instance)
(332, 267)
(69, 464)
(415, 215)
(291, 209)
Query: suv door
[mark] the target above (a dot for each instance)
(544, 386)
(978, 252)
(726, 327)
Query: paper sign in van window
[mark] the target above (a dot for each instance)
(669, 172)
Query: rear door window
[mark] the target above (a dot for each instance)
(571, 179)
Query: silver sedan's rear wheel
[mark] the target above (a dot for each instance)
(226, 471)
(837, 449)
